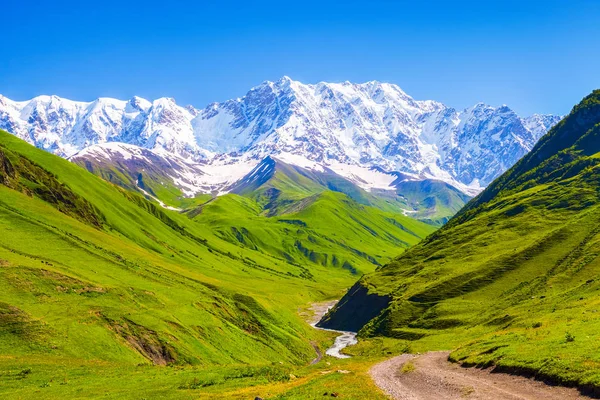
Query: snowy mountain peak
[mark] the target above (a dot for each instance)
(325, 125)
(139, 104)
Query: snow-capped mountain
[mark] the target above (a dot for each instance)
(372, 124)
(364, 132)
(66, 127)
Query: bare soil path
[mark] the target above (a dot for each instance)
(317, 352)
(430, 376)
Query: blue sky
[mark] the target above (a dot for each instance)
(535, 56)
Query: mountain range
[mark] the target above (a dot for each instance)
(372, 135)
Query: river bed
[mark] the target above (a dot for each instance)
(345, 338)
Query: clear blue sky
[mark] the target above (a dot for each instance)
(535, 56)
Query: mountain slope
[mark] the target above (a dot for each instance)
(328, 228)
(97, 284)
(277, 185)
(153, 285)
(340, 126)
(173, 181)
(512, 279)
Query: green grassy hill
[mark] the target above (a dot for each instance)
(328, 229)
(276, 185)
(512, 280)
(434, 202)
(101, 289)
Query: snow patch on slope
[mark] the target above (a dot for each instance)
(366, 178)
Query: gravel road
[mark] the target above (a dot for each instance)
(430, 376)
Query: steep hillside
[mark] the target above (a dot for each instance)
(171, 180)
(84, 261)
(429, 200)
(513, 279)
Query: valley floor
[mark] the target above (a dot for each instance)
(369, 374)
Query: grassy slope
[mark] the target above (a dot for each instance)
(98, 284)
(512, 280)
(82, 294)
(139, 267)
(328, 229)
(152, 179)
(435, 201)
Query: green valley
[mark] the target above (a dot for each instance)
(103, 293)
(393, 200)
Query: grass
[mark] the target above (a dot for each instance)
(327, 229)
(432, 201)
(408, 367)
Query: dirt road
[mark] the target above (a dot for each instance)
(318, 352)
(430, 376)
